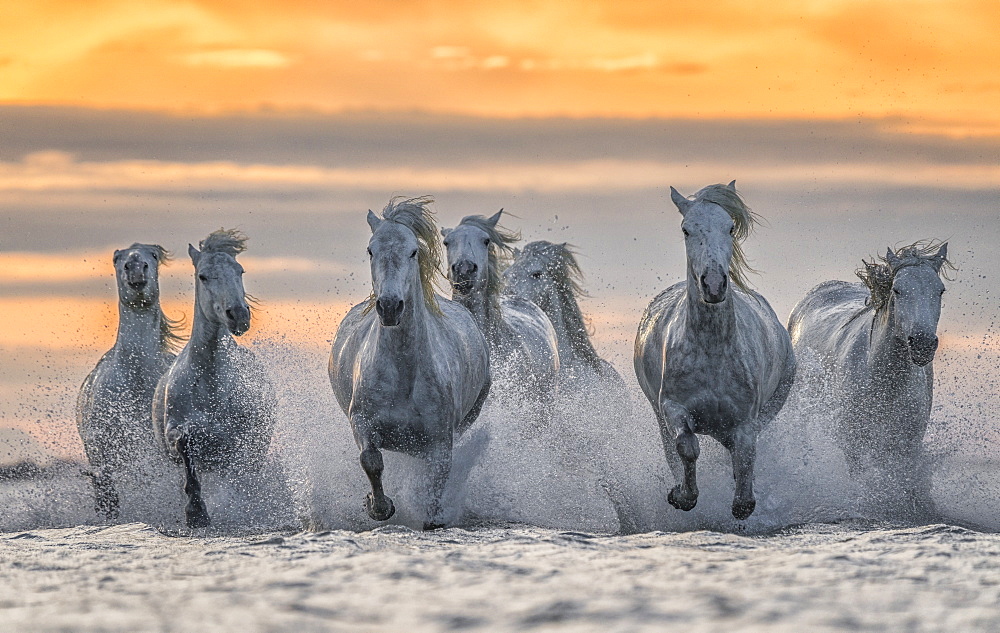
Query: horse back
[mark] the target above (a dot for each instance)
(831, 319)
(533, 332)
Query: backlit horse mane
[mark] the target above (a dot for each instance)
(877, 275)
(416, 215)
(568, 278)
(744, 220)
(229, 241)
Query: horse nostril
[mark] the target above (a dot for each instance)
(399, 307)
(229, 314)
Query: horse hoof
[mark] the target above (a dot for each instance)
(681, 502)
(743, 509)
(197, 517)
(381, 512)
(431, 525)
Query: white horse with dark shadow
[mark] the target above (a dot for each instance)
(215, 408)
(876, 341)
(113, 407)
(409, 368)
(710, 355)
(524, 350)
(548, 275)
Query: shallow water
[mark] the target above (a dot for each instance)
(846, 577)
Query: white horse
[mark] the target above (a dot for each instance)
(712, 359)
(876, 341)
(549, 276)
(523, 345)
(113, 408)
(215, 408)
(409, 368)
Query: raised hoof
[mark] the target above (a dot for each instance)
(382, 512)
(430, 525)
(197, 517)
(681, 502)
(743, 509)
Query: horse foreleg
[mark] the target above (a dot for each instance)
(439, 462)
(378, 505)
(195, 513)
(743, 449)
(681, 447)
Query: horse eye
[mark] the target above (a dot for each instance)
(732, 230)
(155, 256)
(486, 242)
(413, 254)
(203, 277)
(369, 252)
(447, 243)
(895, 291)
(686, 232)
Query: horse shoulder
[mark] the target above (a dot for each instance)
(654, 331)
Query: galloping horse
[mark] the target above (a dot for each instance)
(409, 368)
(215, 408)
(113, 408)
(549, 276)
(523, 345)
(712, 359)
(876, 341)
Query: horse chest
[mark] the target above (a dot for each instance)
(716, 389)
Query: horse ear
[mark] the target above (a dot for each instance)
(890, 257)
(114, 258)
(493, 219)
(445, 232)
(373, 220)
(517, 252)
(194, 253)
(940, 257)
(679, 200)
(732, 186)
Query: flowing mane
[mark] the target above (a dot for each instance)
(500, 251)
(560, 261)
(877, 275)
(229, 241)
(416, 215)
(170, 337)
(744, 221)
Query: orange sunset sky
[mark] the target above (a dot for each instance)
(930, 62)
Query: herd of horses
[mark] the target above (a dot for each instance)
(412, 369)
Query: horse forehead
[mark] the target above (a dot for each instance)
(916, 276)
(392, 235)
(465, 237)
(218, 262)
(707, 215)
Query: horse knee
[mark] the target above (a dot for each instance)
(687, 446)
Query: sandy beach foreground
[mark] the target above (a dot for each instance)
(846, 577)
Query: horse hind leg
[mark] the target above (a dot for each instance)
(195, 513)
(377, 504)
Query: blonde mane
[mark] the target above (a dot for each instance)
(744, 222)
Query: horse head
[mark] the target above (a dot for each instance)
(219, 292)
(914, 300)
(137, 272)
(714, 223)
(476, 249)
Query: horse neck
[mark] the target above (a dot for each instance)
(485, 311)
(571, 330)
(139, 334)
(717, 321)
(888, 357)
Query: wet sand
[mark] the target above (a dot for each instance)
(845, 577)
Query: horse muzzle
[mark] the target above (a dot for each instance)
(238, 320)
(463, 276)
(922, 348)
(389, 310)
(714, 286)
